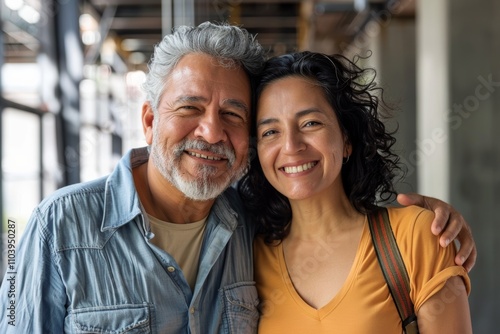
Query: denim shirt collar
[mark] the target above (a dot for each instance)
(121, 200)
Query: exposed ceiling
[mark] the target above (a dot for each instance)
(135, 26)
(280, 25)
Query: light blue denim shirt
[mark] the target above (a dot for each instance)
(85, 264)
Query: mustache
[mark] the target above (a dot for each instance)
(219, 149)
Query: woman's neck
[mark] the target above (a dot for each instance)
(323, 215)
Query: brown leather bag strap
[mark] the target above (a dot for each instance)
(393, 268)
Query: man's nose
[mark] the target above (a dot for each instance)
(211, 128)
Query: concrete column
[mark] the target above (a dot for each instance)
(474, 122)
(397, 75)
(183, 12)
(432, 153)
(175, 13)
(453, 78)
(459, 103)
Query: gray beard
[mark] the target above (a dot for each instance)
(203, 187)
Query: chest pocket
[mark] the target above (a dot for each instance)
(115, 319)
(240, 306)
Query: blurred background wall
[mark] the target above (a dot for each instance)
(70, 94)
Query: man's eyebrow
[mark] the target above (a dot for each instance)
(189, 98)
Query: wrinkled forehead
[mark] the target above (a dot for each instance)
(204, 76)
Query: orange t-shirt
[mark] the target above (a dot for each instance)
(363, 304)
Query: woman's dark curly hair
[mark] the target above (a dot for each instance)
(352, 92)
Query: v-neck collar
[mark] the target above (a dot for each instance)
(322, 312)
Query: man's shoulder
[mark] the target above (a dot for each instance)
(71, 205)
(80, 192)
(90, 192)
(72, 216)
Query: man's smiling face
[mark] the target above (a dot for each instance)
(200, 133)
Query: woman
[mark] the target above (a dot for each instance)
(325, 161)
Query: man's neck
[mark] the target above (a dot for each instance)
(164, 201)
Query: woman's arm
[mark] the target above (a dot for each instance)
(447, 311)
(448, 223)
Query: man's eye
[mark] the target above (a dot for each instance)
(189, 110)
(234, 116)
(230, 113)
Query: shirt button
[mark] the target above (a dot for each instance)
(191, 310)
(171, 269)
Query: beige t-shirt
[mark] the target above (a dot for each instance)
(182, 241)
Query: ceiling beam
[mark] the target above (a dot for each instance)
(269, 22)
(136, 23)
(103, 3)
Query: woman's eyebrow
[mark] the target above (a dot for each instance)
(298, 115)
(266, 121)
(307, 112)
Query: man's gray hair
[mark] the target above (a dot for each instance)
(230, 44)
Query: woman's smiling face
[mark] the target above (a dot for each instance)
(299, 140)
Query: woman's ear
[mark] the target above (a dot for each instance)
(347, 147)
(147, 122)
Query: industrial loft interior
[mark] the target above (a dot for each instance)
(71, 97)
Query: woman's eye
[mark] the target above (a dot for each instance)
(311, 123)
(268, 133)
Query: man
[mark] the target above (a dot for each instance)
(161, 245)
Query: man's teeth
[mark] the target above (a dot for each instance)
(298, 169)
(204, 156)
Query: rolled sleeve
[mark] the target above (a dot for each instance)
(429, 264)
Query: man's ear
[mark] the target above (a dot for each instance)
(147, 122)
